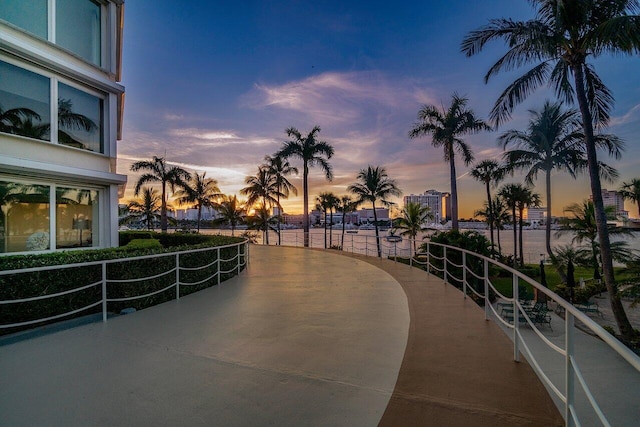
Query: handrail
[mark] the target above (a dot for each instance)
(239, 260)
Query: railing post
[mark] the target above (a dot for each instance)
(444, 265)
(178, 276)
(486, 290)
(516, 320)
(568, 370)
(464, 274)
(238, 260)
(104, 291)
(218, 264)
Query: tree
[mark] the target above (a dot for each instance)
(323, 203)
(347, 205)
(375, 185)
(159, 171)
(559, 41)
(511, 194)
(279, 169)
(490, 172)
(201, 191)
(13, 118)
(261, 220)
(231, 211)
(527, 200)
(312, 152)
(262, 186)
(412, 220)
(631, 191)
(445, 128)
(334, 203)
(145, 210)
(584, 228)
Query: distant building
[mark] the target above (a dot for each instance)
(436, 201)
(366, 214)
(615, 199)
(536, 214)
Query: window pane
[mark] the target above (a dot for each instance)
(24, 217)
(24, 102)
(30, 15)
(76, 218)
(78, 28)
(79, 119)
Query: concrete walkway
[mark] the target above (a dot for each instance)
(302, 337)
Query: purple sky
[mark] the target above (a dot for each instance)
(213, 85)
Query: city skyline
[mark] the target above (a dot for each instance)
(213, 86)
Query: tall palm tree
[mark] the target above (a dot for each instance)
(347, 205)
(413, 220)
(527, 200)
(552, 141)
(375, 185)
(158, 171)
(262, 186)
(146, 209)
(261, 220)
(280, 168)
(563, 35)
(312, 152)
(490, 172)
(631, 191)
(201, 191)
(325, 203)
(231, 211)
(445, 128)
(334, 204)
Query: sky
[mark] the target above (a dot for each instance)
(212, 86)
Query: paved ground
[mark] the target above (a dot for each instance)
(301, 337)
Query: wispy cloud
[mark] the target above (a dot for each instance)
(632, 115)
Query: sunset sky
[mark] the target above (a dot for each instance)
(212, 85)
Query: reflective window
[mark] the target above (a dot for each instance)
(30, 15)
(76, 218)
(78, 28)
(80, 121)
(24, 102)
(24, 217)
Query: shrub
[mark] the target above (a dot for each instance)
(143, 244)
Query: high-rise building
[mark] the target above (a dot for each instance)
(615, 199)
(60, 117)
(436, 201)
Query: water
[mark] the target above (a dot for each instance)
(364, 241)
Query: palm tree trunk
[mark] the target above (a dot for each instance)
(601, 218)
(305, 196)
(454, 193)
(266, 220)
(490, 207)
(279, 217)
(515, 238)
(498, 236)
(163, 209)
(325, 229)
(344, 214)
(331, 227)
(547, 229)
(520, 223)
(375, 219)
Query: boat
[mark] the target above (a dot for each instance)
(352, 231)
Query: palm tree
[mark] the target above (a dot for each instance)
(559, 41)
(552, 141)
(527, 200)
(263, 187)
(261, 220)
(631, 191)
(445, 128)
(489, 172)
(347, 205)
(146, 209)
(159, 171)
(231, 211)
(14, 117)
(334, 204)
(280, 168)
(412, 220)
(312, 152)
(375, 185)
(325, 202)
(584, 228)
(201, 191)
(511, 195)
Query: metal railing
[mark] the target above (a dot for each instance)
(237, 262)
(458, 267)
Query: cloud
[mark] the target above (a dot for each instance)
(632, 115)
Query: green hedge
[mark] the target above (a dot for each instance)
(47, 282)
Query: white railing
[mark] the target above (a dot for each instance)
(564, 388)
(237, 262)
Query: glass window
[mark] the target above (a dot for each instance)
(78, 28)
(80, 121)
(30, 15)
(24, 217)
(76, 218)
(24, 102)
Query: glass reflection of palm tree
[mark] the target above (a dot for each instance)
(12, 118)
(69, 120)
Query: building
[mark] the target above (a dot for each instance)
(614, 199)
(536, 214)
(437, 202)
(60, 118)
(365, 215)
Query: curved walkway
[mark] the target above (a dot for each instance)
(302, 337)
